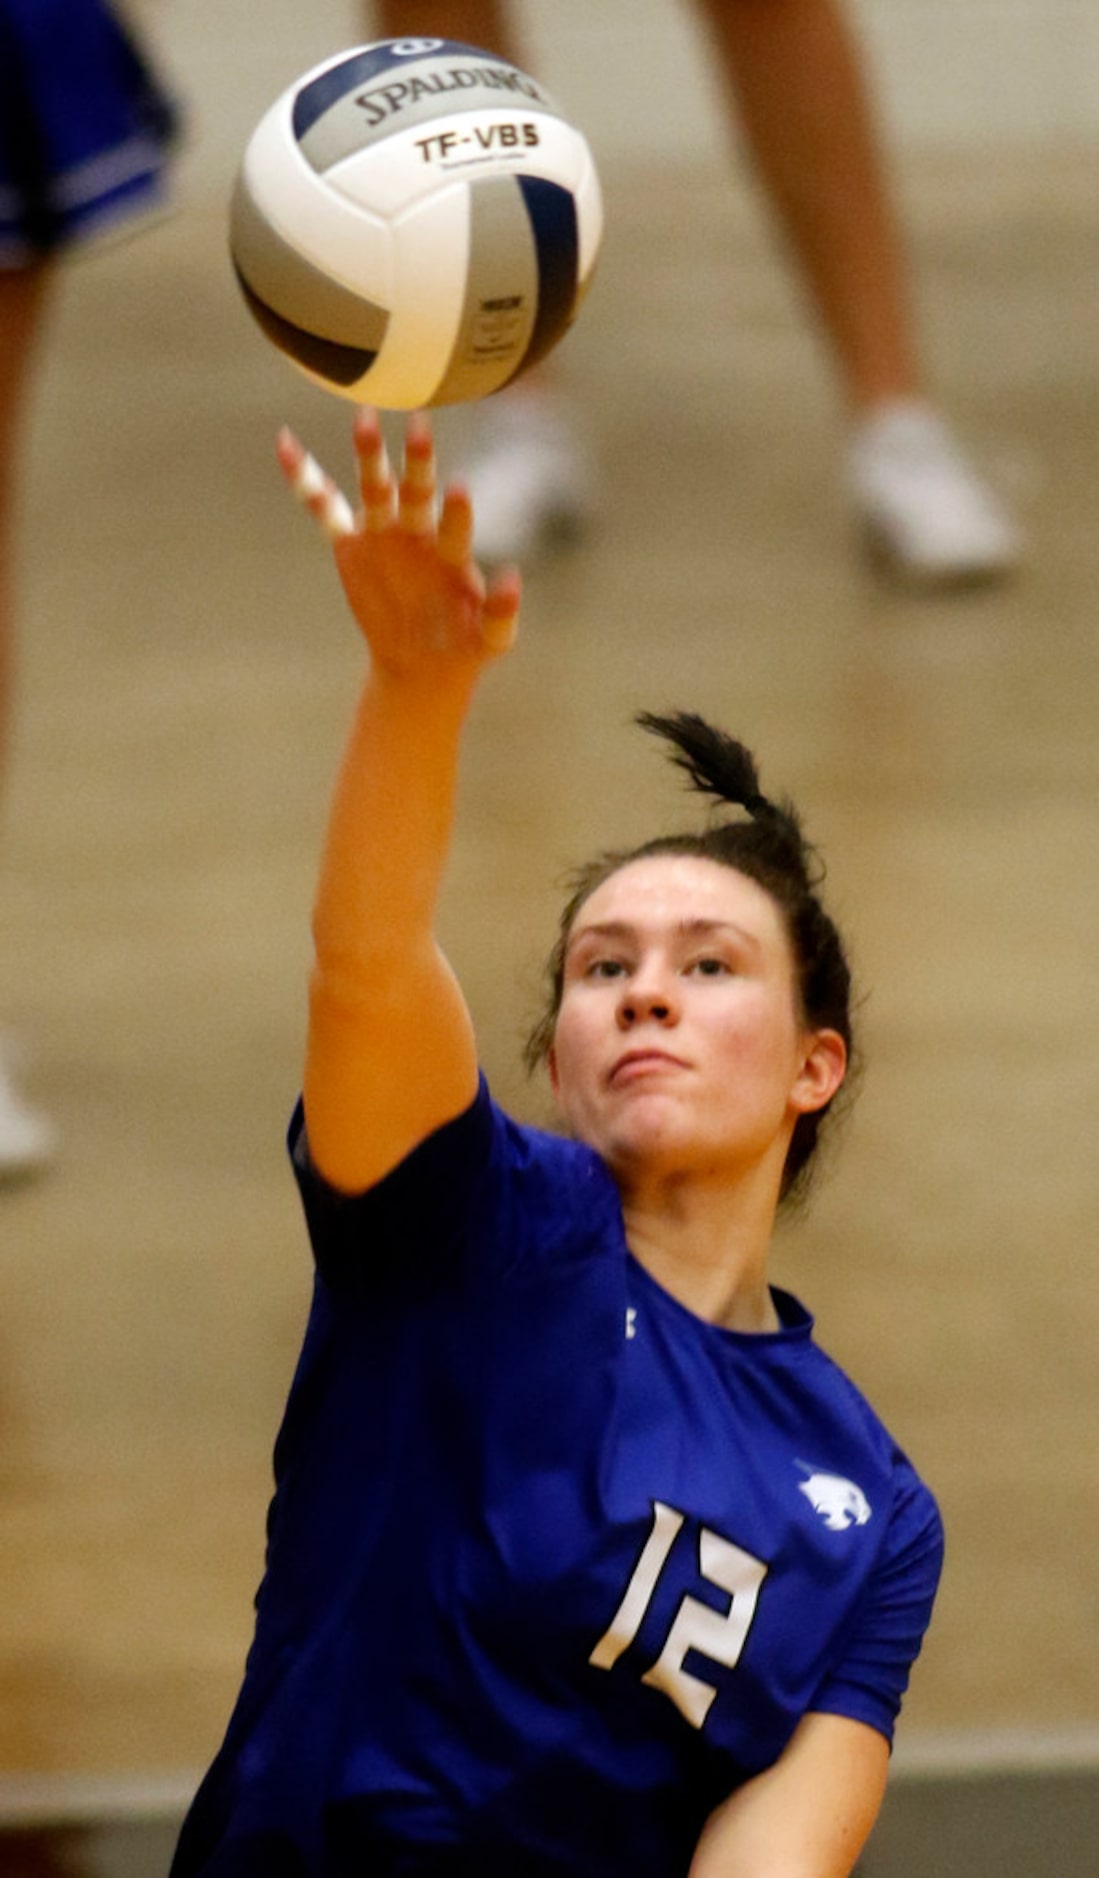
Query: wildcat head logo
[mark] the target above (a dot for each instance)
(839, 1502)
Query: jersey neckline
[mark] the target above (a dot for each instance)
(795, 1322)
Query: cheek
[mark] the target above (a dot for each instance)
(762, 1037)
(569, 1054)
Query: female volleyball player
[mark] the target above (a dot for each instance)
(584, 1559)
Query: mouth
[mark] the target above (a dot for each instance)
(636, 1065)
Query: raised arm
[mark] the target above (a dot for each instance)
(390, 1053)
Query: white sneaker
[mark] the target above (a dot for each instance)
(924, 511)
(528, 476)
(28, 1141)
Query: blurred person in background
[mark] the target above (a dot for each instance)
(793, 76)
(85, 133)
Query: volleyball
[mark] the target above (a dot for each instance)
(415, 223)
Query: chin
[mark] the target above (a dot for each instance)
(648, 1134)
(642, 1148)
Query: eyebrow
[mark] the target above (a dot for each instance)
(699, 928)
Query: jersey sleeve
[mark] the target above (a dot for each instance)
(482, 1196)
(869, 1681)
(419, 1204)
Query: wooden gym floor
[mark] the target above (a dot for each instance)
(186, 674)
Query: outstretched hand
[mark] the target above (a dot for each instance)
(406, 563)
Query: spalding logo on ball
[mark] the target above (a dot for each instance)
(415, 223)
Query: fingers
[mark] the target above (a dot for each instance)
(375, 476)
(411, 502)
(455, 532)
(409, 505)
(319, 494)
(416, 500)
(500, 616)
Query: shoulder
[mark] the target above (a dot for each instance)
(910, 1543)
(480, 1145)
(913, 1526)
(551, 1178)
(901, 1518)
(500, 1186)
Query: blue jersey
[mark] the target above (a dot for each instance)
(553, 1564)
(85, 126)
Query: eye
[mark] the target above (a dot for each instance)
(604, 968)
(710, 967)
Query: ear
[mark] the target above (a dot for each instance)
(822, 1072)
(551, 1070)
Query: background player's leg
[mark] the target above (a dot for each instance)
(22, 299)
(26, 1138)
(477, 22)
(795, 76)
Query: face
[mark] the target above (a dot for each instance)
(679, 1048)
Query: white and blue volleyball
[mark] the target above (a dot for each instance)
(415, 223)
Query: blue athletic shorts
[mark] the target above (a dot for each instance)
(85, 126)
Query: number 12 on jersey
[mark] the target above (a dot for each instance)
(719, 1635)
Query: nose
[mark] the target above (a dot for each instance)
(648, 995)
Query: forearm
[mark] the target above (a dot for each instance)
(808, 1816)
(389, 825)
(390, 1053)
